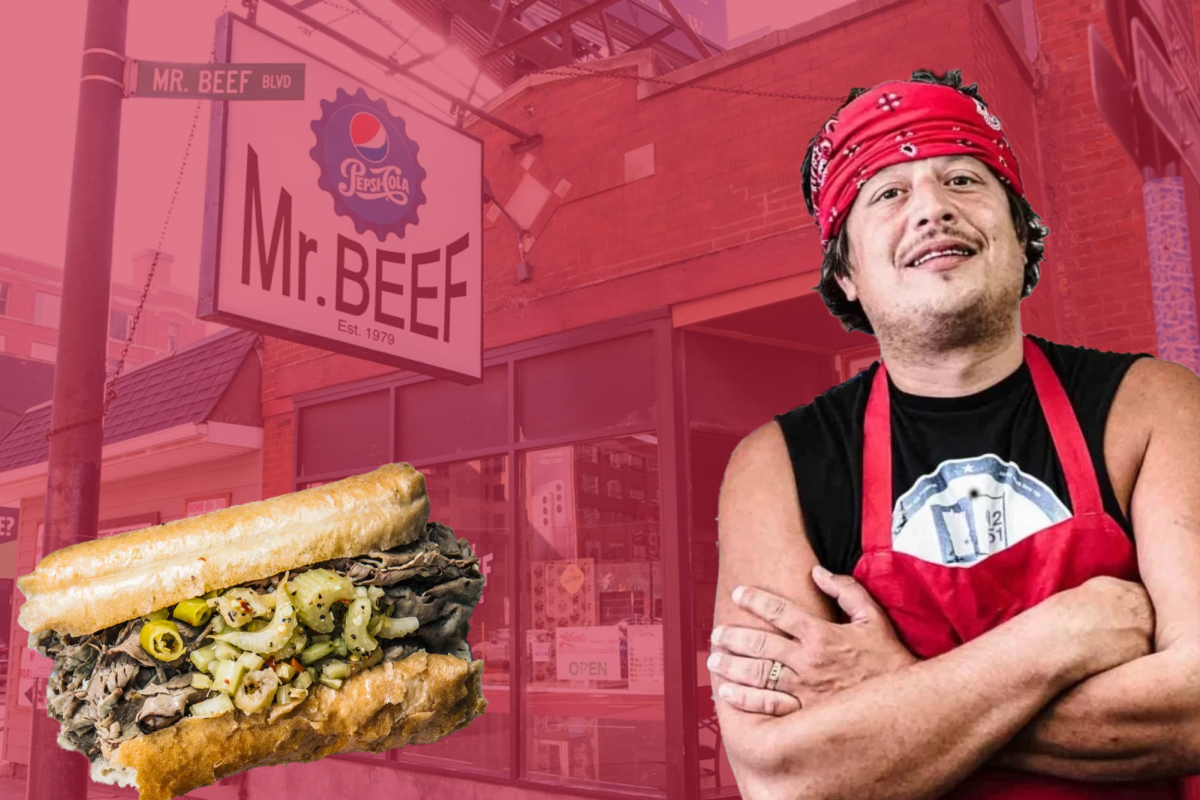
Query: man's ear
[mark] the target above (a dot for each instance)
(848, 287)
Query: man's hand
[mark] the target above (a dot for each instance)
(820, 658)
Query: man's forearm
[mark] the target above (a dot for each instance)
(1139, 720)
(956, 711)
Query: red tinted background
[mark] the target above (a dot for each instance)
(670, 312)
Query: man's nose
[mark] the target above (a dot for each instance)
(931, 203)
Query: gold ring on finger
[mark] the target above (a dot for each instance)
(773, 676)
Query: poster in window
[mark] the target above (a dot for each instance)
(553, 606)
(588, 653)
(645, 658)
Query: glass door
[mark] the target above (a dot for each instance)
(594, 677)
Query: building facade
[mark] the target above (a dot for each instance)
(31, 295)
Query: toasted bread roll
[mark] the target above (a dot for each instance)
(89, 586)
(417, 700)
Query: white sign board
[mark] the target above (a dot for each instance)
(348, 220)
(204, 505)
(588, 654)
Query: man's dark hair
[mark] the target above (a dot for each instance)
(1029, 226)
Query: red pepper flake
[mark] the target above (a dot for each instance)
(270, 663)
(205, 560)
(245, 606)
(299, 667)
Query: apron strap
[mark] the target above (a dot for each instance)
(1065, 432)
(877, 467)
(1068, 438)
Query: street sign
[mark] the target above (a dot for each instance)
(216, 81)
(1162, 97)
(1114, 95)
(349, 221)
(1175, 24)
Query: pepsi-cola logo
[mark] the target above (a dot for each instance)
(368, 164)
(369, 137)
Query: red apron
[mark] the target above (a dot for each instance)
(936, 608)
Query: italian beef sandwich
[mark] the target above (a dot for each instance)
(326, 621)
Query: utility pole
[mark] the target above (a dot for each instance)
(76, 421)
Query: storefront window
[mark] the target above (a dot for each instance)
(605, 385)
(737, 386)
(472, 498)
(349, 435)
(594, 710)
(440, 418)
(572, 610)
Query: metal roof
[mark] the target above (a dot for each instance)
(179, 388)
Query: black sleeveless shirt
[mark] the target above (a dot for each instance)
(996, 440)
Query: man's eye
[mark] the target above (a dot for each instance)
(884, 194)
(966, 178)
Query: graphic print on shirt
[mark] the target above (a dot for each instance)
(969, 509)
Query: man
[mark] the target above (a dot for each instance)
(974, 569)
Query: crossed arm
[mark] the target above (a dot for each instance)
(1093, 684)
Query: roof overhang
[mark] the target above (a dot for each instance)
(172, 448)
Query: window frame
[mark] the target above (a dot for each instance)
(112, 313)
(54, 300)
(33, 347)
(5, 296)
(682, 766)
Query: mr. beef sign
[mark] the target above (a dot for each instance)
(347, 220)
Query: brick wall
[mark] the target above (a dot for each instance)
(1098, 230)
(727, 171)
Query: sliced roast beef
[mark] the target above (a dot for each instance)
(166, 703)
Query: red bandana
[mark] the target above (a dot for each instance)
(893, 123)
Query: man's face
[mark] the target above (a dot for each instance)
(947, 203)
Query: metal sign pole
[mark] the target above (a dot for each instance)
(76, 424)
